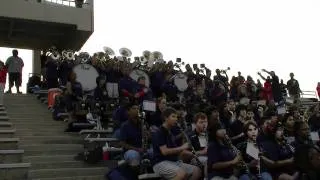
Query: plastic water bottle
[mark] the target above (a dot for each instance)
(105, 152)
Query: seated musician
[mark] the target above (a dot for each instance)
(301, 134)
(255, 169)
(119, 116)
(131, 136)
(199, 139)
(155, 119)
(307, 160)
(288, 127)
(236, 127)
(166, 152)
(278, 155)
(221, 158)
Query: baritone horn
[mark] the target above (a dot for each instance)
(108, 51)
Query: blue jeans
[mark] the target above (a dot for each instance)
(133, 157)
(264, 176)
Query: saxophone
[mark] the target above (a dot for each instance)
(145, 162)
(242, 164)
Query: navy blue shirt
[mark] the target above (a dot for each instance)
(160, 138)
(219, 153)
(131, 134)
(51, 69)
(76, 89)
(276, 152)
(128, 84)
(119, 116)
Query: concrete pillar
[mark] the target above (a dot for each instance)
(36, 61)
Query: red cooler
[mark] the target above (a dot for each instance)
(52, 94)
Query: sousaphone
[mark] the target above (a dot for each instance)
(108, 51)
(125, 52)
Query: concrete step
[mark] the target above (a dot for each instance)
(6, 125)
(49, 152)
(11, 156)
(46, 147)
(9, 143)
(64, 164)
(45, 133)
(7, 133)
(3, 113)
(16, 171)
(47, 159)
(75, 178)
(4, 118)
(51, 139)
(67, 172)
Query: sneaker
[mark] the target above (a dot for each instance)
(19, 92)
(8, 92)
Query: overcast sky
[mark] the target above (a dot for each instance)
(246, 35)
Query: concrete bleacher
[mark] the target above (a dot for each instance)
(38, 146)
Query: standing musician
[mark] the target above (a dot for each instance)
(142, 92)
(221, 157)
(256, 171)
(166, 152)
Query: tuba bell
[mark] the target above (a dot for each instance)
(84, 57)
(125, 52)
(108, 51)
(70, 55)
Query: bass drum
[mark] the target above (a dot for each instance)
(135, 74)
(180, 81)
(86, 76)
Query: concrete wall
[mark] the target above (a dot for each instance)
(49, 12)
(36, 61)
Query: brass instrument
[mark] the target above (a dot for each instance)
(225, 70)
(242, 163)
(125, 53)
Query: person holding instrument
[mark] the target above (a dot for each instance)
(166, 152)
(256, 169)
(221, 158)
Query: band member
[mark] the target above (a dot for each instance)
(142, 92)
(288, 127)
(155, 118)
(236, 128)
(301, 134)
(166, 152)
(131, 135)
(278, 156)
(307, 159)
(199, 139)
(256, 171)
(14, 64)
(221, 158)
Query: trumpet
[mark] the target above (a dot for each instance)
(225, 70)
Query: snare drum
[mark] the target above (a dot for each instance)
(136, 73)
(86, 76)
(180, 81)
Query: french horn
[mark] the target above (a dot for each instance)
(125, 52)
